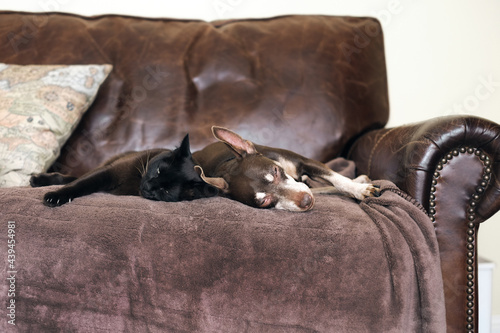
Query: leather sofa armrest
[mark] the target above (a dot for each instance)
(451, 165)
(412, 156)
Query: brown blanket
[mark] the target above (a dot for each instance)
(125, 264)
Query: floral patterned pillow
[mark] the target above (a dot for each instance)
(40, 106)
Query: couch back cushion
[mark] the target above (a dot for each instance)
(306, 83)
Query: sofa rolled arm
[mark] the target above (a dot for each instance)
(451, 165)
(411, 156)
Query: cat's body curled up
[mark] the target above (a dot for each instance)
(156, 174)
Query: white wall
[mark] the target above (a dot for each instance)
(443, 57)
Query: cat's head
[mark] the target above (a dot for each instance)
(171, 176)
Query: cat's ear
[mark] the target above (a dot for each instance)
(184, 148)
(217, 182)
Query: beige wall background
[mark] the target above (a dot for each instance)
(443, 57)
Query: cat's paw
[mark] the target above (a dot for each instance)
(54, 199)
(39, 180)
(47, 179)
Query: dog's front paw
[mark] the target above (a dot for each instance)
(370, 190)
(363, 179)
(54, 199)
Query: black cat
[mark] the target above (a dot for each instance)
(156, 174)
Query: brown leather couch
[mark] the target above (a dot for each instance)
(313, 84)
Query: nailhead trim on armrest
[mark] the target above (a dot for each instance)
(471, 211)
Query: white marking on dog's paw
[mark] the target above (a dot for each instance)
(369, 191)
(363, 179)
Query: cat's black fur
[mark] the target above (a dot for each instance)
(156, 174)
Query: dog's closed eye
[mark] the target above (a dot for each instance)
(274, 176)
(263, 200)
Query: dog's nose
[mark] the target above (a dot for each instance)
(307, 201)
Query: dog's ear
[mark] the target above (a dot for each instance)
(240, 146)
(184, 147)
(217, 182)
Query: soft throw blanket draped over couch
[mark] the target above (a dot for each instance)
(125, 264)
(316, 85)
